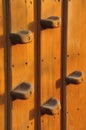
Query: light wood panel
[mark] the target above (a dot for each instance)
(2, 69)
(50, 62)
(76, 60)
(22, 64)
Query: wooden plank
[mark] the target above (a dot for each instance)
(22, 64)
(76, 56)
(50, 62)
(2, 69)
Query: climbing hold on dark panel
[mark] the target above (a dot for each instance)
(75, 77)
(23, 36)
(22, 91)
(51, 107)
(50, 22)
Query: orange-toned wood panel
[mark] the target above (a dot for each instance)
(76, 60)
(50, 62)
(22, 64)
(2, 69)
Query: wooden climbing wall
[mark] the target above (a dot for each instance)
(50, 62)
(35, 63)
(76, 61)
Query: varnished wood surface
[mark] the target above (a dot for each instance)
(76, 60)
(50, 53)
(22, 65)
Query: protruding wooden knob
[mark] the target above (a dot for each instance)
(22, 91)
(50, 22)
(51, 107)
(75, 77)
(21, 37)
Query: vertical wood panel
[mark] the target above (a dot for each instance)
(50, 62)
(76, 60)
(22, 64)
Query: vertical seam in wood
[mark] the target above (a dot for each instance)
(8, 70)
(37, 61)
(63, 62)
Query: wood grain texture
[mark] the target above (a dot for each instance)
(50, 48)
(76, 60)
(22, 64)
(2, 69)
